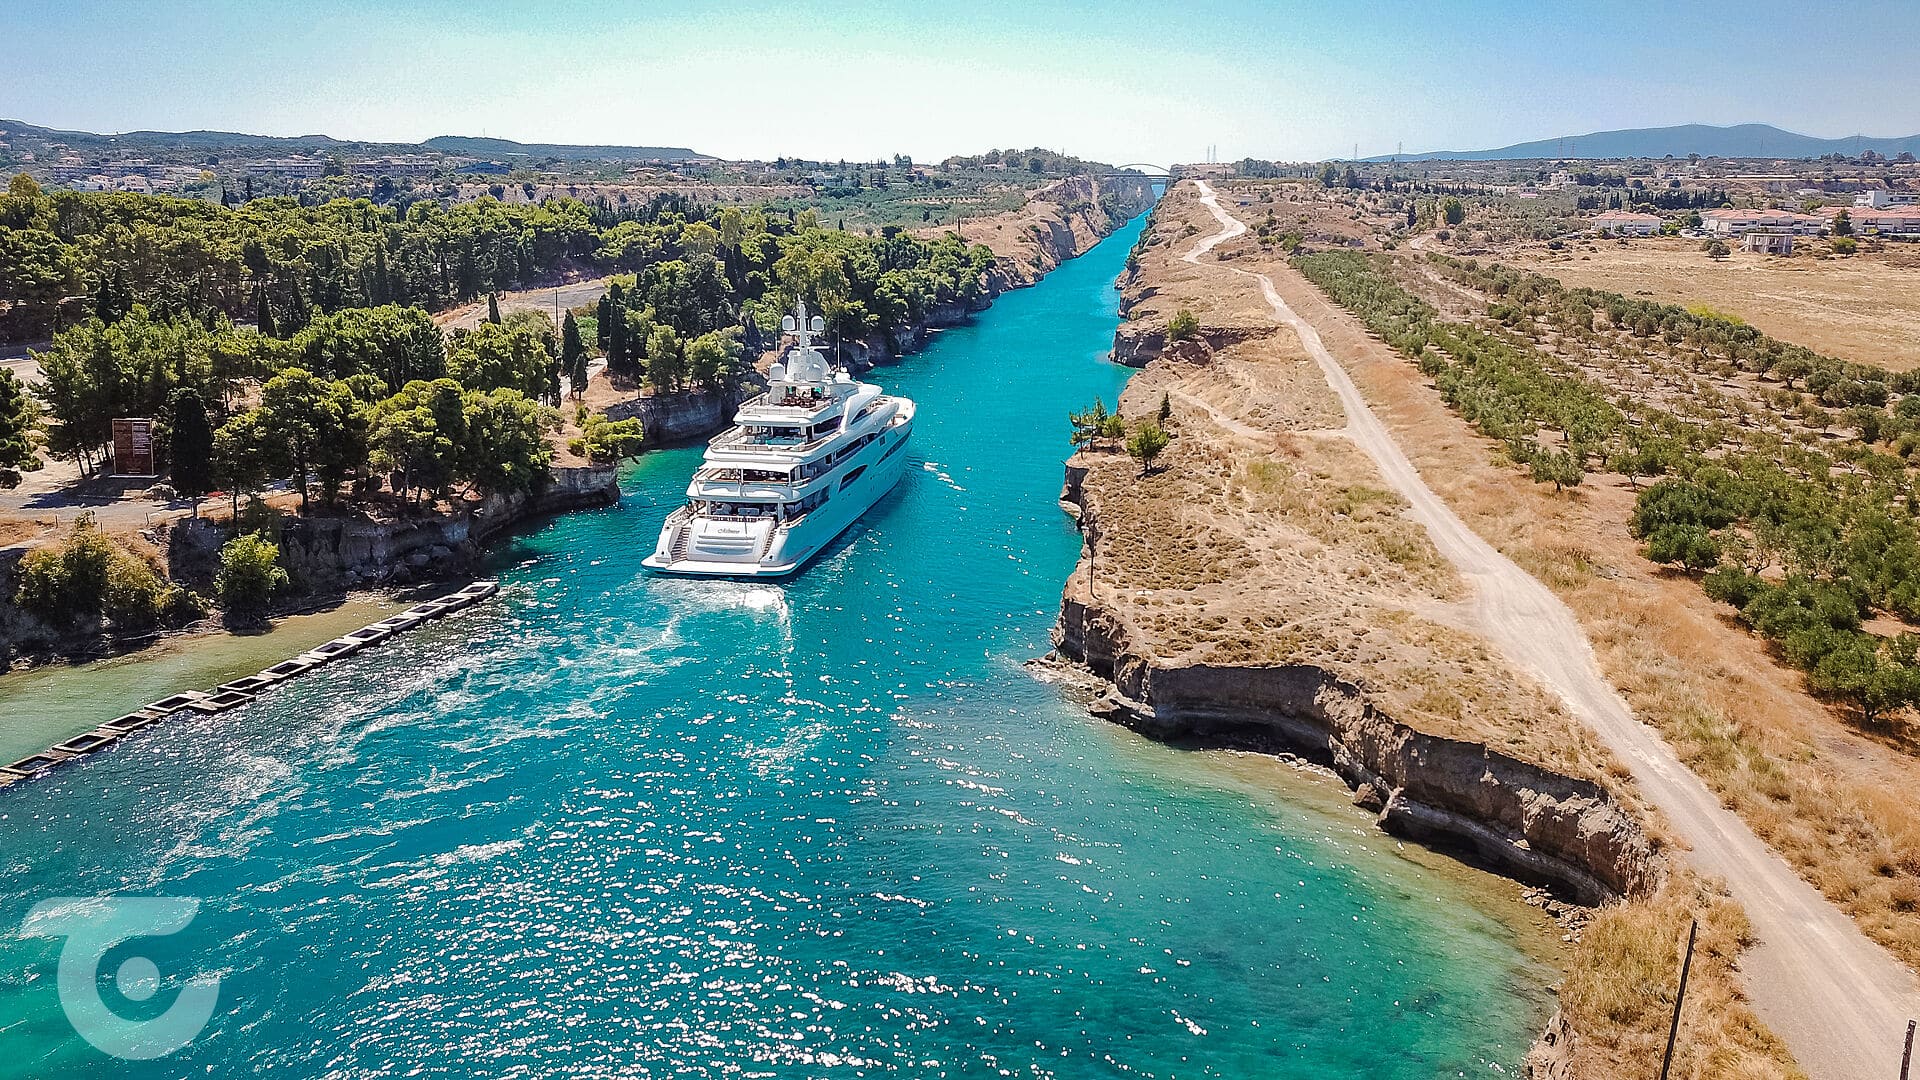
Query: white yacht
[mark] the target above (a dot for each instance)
(801, 463)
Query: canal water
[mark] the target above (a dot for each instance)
(609, 824)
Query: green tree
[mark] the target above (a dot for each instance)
(190, 446)
(493, 308)
(666, 360)
(1871, 674)
(312, 418)
(1183, 326)
(1087, 424)
(250, 576)
(244, 457)
(603, 440)
(492, 356)
(714, 361)
(419, 436)
(1166, 410)
(573, 355)
(19, 417)
(1557, 467)
(1689, 545)
(1453, 211)
(1843, 224)
(505, 449)
(1146, 444)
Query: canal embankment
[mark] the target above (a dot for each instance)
(1263, 586)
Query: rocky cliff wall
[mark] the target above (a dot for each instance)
(666, 419)
(333, 554)
(1524, 820)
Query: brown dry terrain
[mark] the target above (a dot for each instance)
(1822, 793)
(1057, 223)
(1266, 538)
(1865, 308)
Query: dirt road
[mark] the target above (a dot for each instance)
(570, 296)
(1840, 1001)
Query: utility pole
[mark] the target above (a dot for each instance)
(1906, 1056)
(1680, 998)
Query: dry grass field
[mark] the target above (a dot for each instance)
(1865, 308)
(1268, 538)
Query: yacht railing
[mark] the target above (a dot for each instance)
(736, 438)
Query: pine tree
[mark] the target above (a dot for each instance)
(191, 447)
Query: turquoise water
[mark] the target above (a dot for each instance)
(615, 825)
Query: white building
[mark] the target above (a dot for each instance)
(1880, 198)
(1628, 223)
(1901, 221)
(1727, 223)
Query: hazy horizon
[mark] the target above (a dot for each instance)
(1302, 81)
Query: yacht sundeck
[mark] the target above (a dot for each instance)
(801, 463)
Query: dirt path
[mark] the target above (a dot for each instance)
(1840, 1001)
(569, 296)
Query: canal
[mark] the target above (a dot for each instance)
(610, 824)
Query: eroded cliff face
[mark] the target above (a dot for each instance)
(1059, 222)
(1526, 821)
(674, 418)
(332, 554)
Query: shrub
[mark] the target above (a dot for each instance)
(250, 575)
(1146, 444)
(1183, 326)
(1689, 545)
(88, 576)
(603, 440)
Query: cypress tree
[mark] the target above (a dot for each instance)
(617, 342)
(578, 375)
(573, 354)
(298, 313)
(604, 317)
(382, 290)
(191, 447)
(493, 308)
(263, 312)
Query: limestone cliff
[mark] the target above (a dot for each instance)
(1527, 821)
(332, 554)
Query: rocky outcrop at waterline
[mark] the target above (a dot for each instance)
(324, 555)
(1526, 821)
(333, 554)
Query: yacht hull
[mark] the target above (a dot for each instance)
(765, 550)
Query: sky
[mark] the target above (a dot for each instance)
(1148, 82)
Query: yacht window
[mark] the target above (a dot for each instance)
(852, 476)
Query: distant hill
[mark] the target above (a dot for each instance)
(470, 146)
(1742, 141)
(22, 135)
